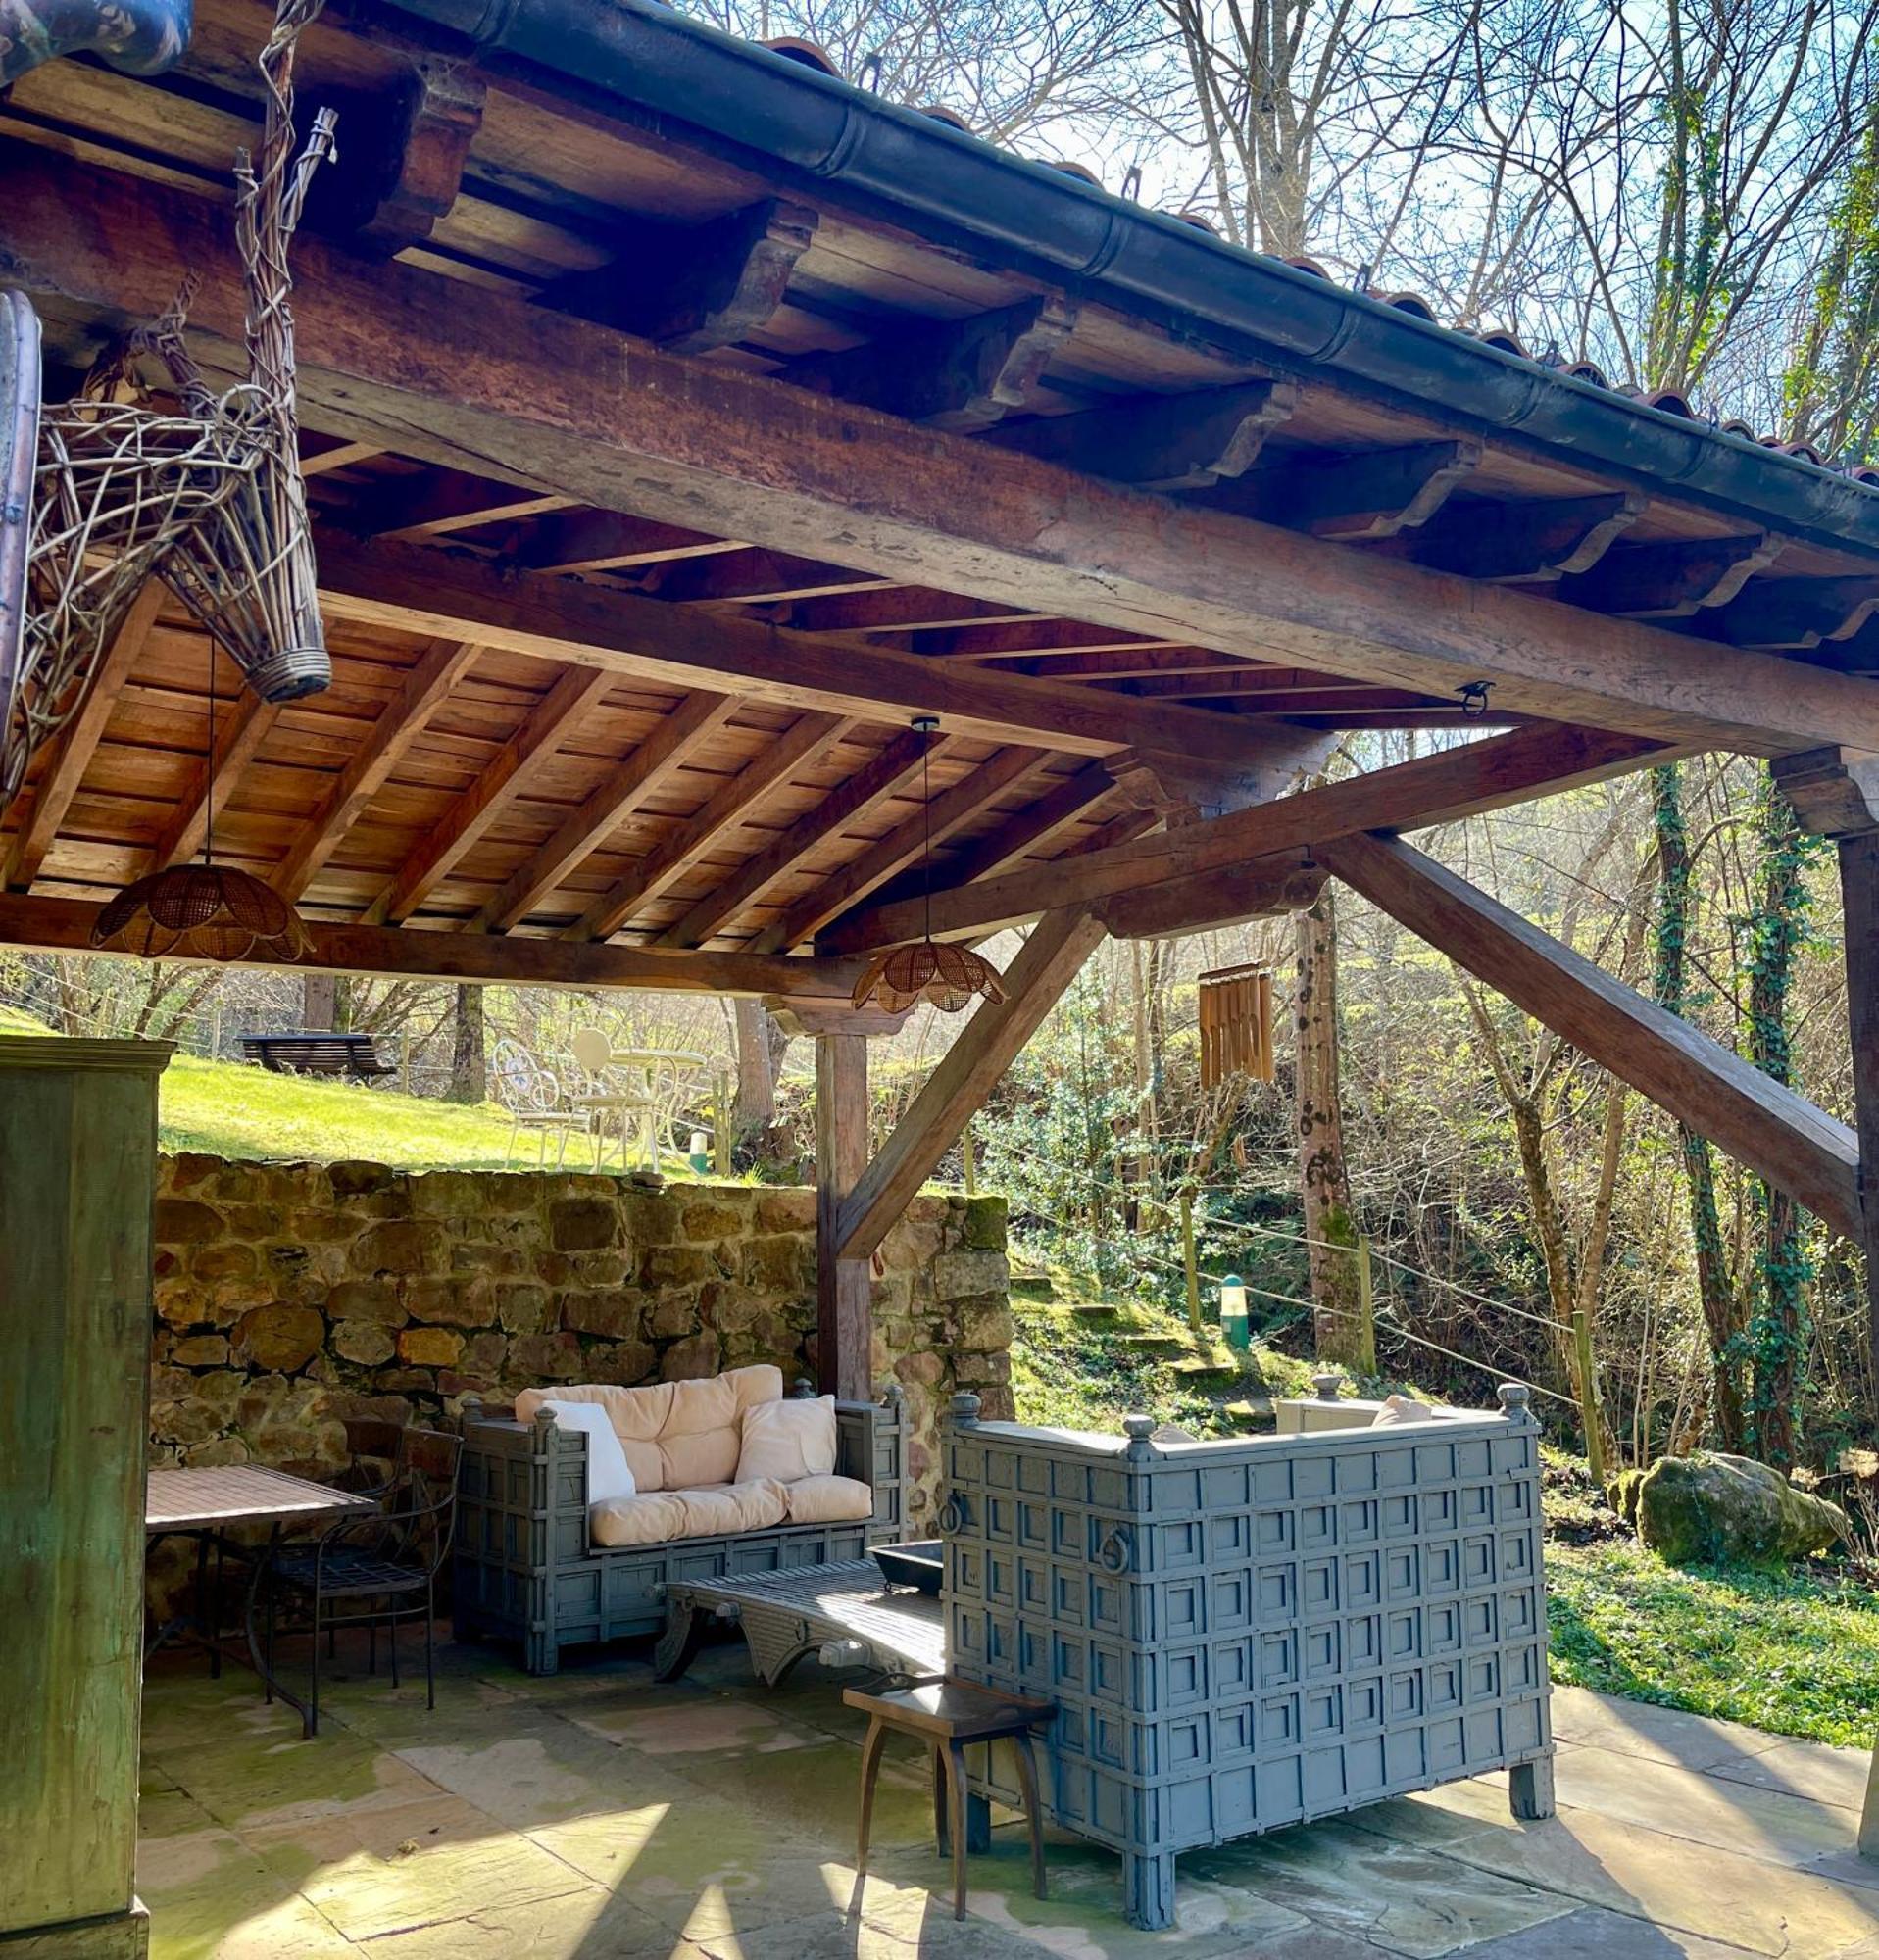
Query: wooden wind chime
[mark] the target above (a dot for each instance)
(1236, 1024)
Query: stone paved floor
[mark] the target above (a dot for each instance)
(600, 1816)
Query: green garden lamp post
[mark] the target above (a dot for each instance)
(1233, 1321)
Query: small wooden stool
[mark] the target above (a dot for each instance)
(947, 1715)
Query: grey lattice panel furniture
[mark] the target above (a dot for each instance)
(523, 1569)
(1248, 1633)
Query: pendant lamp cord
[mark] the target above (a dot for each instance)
(209, 833)
(926, 812)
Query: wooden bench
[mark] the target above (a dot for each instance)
(310, 1053)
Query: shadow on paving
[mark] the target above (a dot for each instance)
(598, 1814)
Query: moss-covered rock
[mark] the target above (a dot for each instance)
(1716, 1510)
(1621, 1493)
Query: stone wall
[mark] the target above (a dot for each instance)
(290, 1297)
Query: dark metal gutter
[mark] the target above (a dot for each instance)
(1114, 252)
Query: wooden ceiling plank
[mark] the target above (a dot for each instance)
(414, 588)
(74, 747)
(882, 776)
(900, 847)
(810, 736)
(584, 830)
(235, 747)
(500, 384)
(398, 725)
(1780, 1136)
(515, 765)
(1460, 782)
(65, 925)
(691, 288)
(1161, 442)
(952, 374)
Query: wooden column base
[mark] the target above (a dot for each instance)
(117, 1935)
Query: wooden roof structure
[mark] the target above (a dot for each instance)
(681, 420)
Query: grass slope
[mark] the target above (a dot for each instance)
(1796, 1654)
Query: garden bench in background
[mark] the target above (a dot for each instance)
(355, 1056)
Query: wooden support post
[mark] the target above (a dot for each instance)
(1190, 1263)
(1859, 895)
(843, 1286)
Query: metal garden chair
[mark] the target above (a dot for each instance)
(533, 1095)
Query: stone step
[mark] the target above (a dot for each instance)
(1099, 1313)
(1038, 1287)
(1199, 1371)
(1160, 1346)
(1252, 1414)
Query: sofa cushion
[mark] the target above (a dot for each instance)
(608, 1473)
(676, 1435)
(1398, 1409)
(706, 1512)
(789, 1440)
(827, 1500)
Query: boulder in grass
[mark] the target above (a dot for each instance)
(1712, 1509)
(1621, 1493)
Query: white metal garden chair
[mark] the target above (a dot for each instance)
(533, 1095)
(641, 1092)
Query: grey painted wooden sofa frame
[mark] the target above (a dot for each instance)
(1248, 1633)
(524, 1568)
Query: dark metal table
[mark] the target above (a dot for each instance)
(845, 1614)
(204, 1505)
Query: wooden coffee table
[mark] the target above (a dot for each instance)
(846, 1614)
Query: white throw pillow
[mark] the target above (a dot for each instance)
(1401, 1409)
(608, 1474)
(788, 1439)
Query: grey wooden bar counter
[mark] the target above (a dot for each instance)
(1252, 1632)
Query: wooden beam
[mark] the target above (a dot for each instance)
(1547, 539)
(1162, 442)
(952, 374)
(883, 775)
(1858, 856)
(439, 503)
(1478, 776)
(844, 1286)
(900, 847)
(1670, 581)
(1264, 888)
(491, 384)
(320, 453)
(1034, 827)
(233, 749)
(898, 608)
(399, 724)
(692, 288)
(74, 747)
(399, 161)
(1780, 1136)
(516, 764)
(810, 737)
(63, 925)
(607, 541)
(1029, 641)
(417, 590)
(1371, 494)
(749, 576)
(584, 830)
(985, 1048)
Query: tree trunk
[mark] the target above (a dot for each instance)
(319, 997)
(1331, 1227)
(1715, 1290)
(469, 1062)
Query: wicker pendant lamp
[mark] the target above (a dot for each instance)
(201, 912)
(948, 976)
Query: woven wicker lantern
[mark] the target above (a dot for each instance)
(948, 976)
(200, 911)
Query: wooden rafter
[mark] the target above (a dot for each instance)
(65, 925)
(1780, 1136)
(76, 744)
(1372, 493)
(1050, 959)
(441, 502)
(501, 385)
(900, 847)
(399, 724)
(810, 736)
(515, 765)
(412, 589)
(608, 541)
(1460, 782)
(1670, 581)
(584, 830)
(235, 747)
(883, 775)
(1162, 442)
(1542, 540)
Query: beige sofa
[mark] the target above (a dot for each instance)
(681, 1441)
(535, 1561)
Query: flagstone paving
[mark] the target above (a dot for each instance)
(600, 1815)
